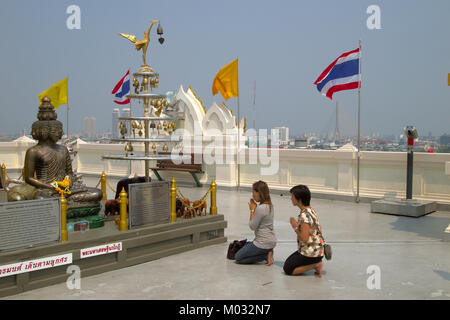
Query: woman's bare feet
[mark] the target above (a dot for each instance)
(269, 258)
(318, 269)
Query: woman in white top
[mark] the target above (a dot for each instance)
(261, 221)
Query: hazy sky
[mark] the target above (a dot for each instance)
(283, 45)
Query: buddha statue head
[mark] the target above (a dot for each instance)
(47, 128)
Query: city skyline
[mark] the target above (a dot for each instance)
(281, 51)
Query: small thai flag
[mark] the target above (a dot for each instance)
(121, 89)
(342, 74)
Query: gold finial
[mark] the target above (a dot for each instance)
(123, 210)
(141, 44)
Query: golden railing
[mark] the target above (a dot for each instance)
(175, 193)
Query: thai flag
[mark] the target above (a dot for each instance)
(121, 89)
(342, 74)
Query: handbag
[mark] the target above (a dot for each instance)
(328, 253)
(234, 247)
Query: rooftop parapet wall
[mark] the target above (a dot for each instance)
(325, 171)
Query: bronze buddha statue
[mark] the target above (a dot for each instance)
(49, 162)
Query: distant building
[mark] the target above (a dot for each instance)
(115, 132)
(283, 135)
(301, 142)
(115, 125)
(89, 130)
(126, 112)
(445, 140)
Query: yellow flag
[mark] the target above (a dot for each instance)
(57, 93)
(226, 81)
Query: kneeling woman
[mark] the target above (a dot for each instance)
(261, 221)
(309, 236)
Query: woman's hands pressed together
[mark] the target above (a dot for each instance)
(294, 223)
(252, 205)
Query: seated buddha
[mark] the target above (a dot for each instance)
(49, 162)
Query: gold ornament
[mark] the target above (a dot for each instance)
(165, 148)
(141, 44)
(158, 112)
(123, 129)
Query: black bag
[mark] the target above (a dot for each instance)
(234, 247)
(326, 248)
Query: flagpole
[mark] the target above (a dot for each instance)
(359, 124)
(67, 116)
(131, 114)
(239, 132)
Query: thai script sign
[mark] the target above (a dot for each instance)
(35, 264)
(99, 250)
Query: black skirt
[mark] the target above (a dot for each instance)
(298, 260)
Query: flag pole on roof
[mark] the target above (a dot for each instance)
(344, 73)
(359, 124)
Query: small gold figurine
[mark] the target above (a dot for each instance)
(141, 44)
